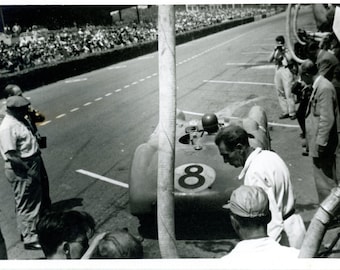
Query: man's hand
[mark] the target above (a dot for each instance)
(321, 150)
(16, 161)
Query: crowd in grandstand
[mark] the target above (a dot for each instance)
(36, 48)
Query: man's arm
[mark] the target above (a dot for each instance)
(327, 118)
(16, 160)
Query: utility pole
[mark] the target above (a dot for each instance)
(167, 131)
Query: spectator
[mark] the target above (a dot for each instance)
(265, 169)
(38, 47)
(322, 127)
(250, 214)
(302, 92)
(33, 117)
(325, 60)
(65, 235)
(20, 150)
(283, 79)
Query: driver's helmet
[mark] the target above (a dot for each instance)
(210, 122)
(13, 90)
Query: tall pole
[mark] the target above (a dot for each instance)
(137, 12)
(167, 131)
(2, 21)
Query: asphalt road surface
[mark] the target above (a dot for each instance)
(96, 120)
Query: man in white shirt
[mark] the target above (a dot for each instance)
(249, 215)
(20, 150)
(267, 170)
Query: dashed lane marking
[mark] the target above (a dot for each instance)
(74, 109)
(44, 123)
(103, 178)
(118, 90)
(261, 52)
(76, 80)
(60, 115)
(108, 94)
(87, 104)
(145, 57)
(238, 82)
(99, 98)
(116, 67)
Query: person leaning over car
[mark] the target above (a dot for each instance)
(265, 169)
(249, 215)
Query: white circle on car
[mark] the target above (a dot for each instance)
(194, 177)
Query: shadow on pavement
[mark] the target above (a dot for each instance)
(67, 204)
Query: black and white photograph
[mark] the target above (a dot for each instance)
(151, 133)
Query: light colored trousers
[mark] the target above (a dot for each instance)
(283, 83)
(27, 194)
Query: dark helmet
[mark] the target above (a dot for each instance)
(13, 90)
(210, 122)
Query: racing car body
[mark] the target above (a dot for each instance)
(202, 181)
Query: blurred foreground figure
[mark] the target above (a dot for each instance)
(117, 245)
(65, 235)
(250, 214)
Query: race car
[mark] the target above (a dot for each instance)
(202, 181)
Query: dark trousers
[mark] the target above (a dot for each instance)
(324, 175)
(45, 190)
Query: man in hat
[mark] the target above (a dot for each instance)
(33, 116)
(265, 169)
(249, 215)
(20, 150)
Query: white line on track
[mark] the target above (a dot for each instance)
(74, 109)
(233, 117)
(145, 57)
(99, 98)
(108, 94)
(45, 123)
(262, 44)
(116, 67)
(103, 178)
(235, 82)
(262, 52)
(240, 64)
(141, 80)
(126, 86)
(87, 104)
(60, 115)
(118, 90)
(76, 80)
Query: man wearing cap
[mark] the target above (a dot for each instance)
(249, 215)
(20, 150)
(265, 169)
(33, 116)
